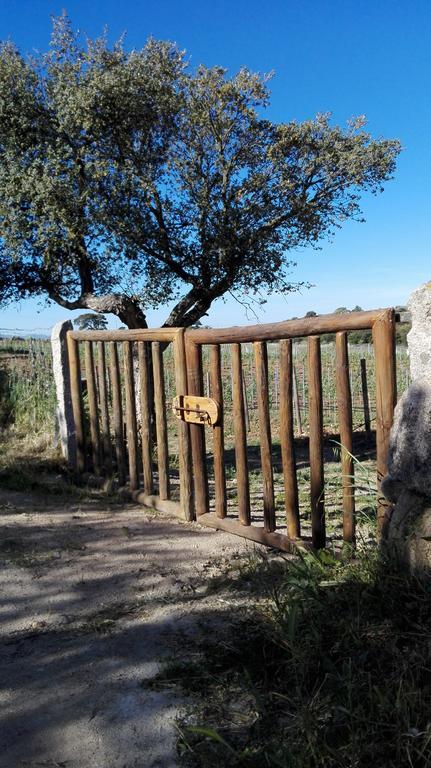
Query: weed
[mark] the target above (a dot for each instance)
(332, 669)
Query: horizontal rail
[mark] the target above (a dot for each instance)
(269, 538)
(160, 505)
(128, 334)
(307, 326)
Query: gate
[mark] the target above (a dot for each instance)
(129, 366)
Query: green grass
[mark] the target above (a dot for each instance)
(27, 390)
(332, 667)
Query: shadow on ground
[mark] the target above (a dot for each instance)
(94, 596)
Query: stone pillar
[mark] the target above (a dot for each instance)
(60, 362)
(419, 338)
(408, 483)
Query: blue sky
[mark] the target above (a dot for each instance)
(344, 56)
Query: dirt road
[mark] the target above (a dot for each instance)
(93, 597)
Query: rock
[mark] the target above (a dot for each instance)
(408, 537)
(409, 458)
(419, 338)
(407, 530)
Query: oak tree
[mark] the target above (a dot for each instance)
(129, 180)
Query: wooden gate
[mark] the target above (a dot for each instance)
(189, 493)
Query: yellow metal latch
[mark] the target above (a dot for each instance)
(196, 410)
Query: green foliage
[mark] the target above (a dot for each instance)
(128, 180)
(91, 322)
(27, 388)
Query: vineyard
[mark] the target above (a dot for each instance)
(28, 402)
(28, 392)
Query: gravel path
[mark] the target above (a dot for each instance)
(93, 597)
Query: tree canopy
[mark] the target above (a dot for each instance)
(129, 181)
(91, 322)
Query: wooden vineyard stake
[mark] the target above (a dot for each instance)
(295, 396)
(365, 398)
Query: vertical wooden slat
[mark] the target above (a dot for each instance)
(92, 406)
(386, 397)
(318, 532)
(287, 440)
(365, 398)
(104, 410)
(146, 408)
(218, 433)
(344, 399)
(197, 435)
(77, 406)
(117, 412)
(261, 362)
(243, 488)
(131, 424)
(184, 448)
(161, 421)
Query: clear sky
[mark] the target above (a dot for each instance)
(348, 57)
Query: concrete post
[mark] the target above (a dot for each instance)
(60, 363)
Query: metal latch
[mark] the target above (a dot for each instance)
(196, 410)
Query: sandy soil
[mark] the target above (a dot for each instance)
(93, 597)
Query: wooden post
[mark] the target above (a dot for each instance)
(318, 532)
(117, 412)
(146, 409)
(386, 398)
(243, 487)
(131, 425)
(365, 398)
(184, 450)
(261, 361)
(344, 398)
(287, 440)
(197, 435)
(77, 406)
(104, 410)
(161, 422)
(92, 406)
(218, 433)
